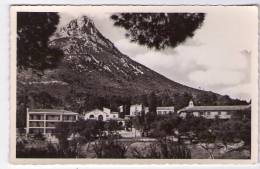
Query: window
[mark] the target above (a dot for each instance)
(53, 117)
(36, 117)
(225, 113)
(196, 113)
(91, 116)
(69, 118)
(51, 124)
(36, 124)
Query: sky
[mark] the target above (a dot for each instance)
(218, 57)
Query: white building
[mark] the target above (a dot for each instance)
(137, 109)
(164, 110)
(102, 115)
(211, 112)
(45, 120)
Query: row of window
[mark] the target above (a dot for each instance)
(164, 112)
(41, 124)
(39, 130)
(211, 113)
(100, 116)
(51, 117)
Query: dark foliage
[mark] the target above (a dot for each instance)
(163, 149)
(51, 152)
(109, 148)
(159, 30)
(174, 150)
(33, 32)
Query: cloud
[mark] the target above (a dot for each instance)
(192, 42)
(132, 49)
(238, 91)
(170, 64)
(214, 77)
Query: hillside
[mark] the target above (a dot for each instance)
(95, 73)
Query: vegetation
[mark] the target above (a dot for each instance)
(159, 30)
(162, 149)
(33, 32)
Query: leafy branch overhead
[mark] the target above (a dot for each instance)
(159, 30)
(33, 32)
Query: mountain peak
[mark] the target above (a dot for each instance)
(81, 26)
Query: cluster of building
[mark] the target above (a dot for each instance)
(45, 120)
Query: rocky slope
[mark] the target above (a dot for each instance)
(89, 53)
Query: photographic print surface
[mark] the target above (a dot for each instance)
(174, 84)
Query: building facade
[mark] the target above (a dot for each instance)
(165, 110)
(137, 109)
(212, 112)
(45, 120)
(103, 115)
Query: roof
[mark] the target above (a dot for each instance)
(165, 108)
(51, 111)
(94, 110)
(136, 105)
(100, 111)
(216, 108)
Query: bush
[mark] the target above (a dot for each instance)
(109, 149)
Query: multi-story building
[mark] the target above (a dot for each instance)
(211, 112)
(165, 110)
(45, 120)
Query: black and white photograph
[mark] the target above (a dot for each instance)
(134, 83)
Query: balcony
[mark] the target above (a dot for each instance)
(51, 124)
(36, 117)
(69, 118)
(36, 124)
(35, 130)
(53, 117)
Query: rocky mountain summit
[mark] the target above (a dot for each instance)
(88, 52)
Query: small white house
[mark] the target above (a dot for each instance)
(164, 110)
(102, 115)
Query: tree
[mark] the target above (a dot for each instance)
(33, 32)
(112, 126)
(152, 102)
(182, 100)
(109, 148)
(45, 100)
(159, 30)
(208, 142)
